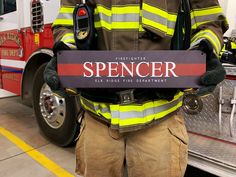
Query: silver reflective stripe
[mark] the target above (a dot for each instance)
(205, 19)
(158, 19)
(125, 18)
(121, 18)
(146, 112)
(101, 16)
(94, 107)
(117, 18)
(65, 16)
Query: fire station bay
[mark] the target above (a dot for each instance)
(136, 88)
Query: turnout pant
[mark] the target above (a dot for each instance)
(157, 151)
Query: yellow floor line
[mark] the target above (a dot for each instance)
(36, 155)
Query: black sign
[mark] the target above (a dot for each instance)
(131, 69)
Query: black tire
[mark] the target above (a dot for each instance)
(66, 133)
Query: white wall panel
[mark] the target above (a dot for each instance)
(229, 7)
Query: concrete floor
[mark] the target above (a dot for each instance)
(19, 121)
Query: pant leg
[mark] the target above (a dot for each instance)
(99, 150)
(158, 151)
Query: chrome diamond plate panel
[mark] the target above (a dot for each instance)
(207, 121)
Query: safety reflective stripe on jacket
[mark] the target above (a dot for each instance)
(203, 16)
(128, 18)
(152, 17)
(65, 18)
(233, 45)
(120, 116)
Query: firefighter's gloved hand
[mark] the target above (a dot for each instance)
(51, 77)
(215, 72)
(50, 73)
(58, 46)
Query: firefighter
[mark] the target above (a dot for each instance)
(148, 136)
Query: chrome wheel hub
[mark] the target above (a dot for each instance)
(53, 108)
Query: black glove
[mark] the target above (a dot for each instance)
(50, 73)
(58, 46)
(215, 72)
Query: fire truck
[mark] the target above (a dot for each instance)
(26, 42)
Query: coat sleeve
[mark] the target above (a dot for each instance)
(208, 22)
(62, 26)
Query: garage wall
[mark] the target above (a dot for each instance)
(224, 4)
(229, 7)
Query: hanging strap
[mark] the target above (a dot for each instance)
(182, 36)
(187, 23)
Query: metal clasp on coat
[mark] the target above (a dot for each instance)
(126, 97)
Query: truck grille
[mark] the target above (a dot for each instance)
(36, 16)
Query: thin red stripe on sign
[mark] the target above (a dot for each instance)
(141, 69)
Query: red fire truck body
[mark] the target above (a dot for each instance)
(17, 49)
(25, 32)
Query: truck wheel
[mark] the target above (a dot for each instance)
(56, 116)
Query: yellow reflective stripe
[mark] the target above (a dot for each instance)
(159, 26)
(86, 107)
(223, 49)
(116, 10)
(68, 35)
(233, 45)
(66, 22)
(159, 12)
(211, 36)
(141, 28)
(206, 11)
(66, 10)
(126, 25)
(211, 41)
(216, 40)
(101, 9)
(140, 24)
(197, 24)
(98, 112)
(125, 10)
(102, 23)
(68, 38)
